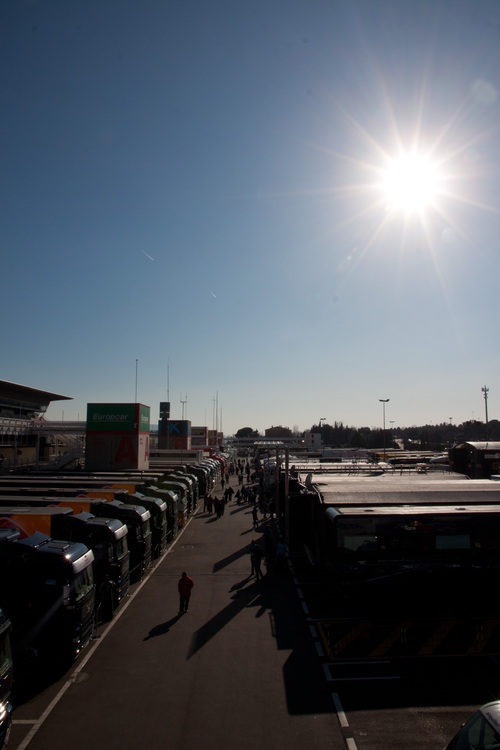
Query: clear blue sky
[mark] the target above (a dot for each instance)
(199, 184)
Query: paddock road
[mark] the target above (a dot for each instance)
(243, 668)
(238, 670)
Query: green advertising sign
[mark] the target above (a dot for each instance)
(144, 418)
(112, 417)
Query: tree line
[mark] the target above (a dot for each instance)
(424, 437)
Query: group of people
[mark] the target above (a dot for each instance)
(212, 503)
(240, 469)
(271, 548)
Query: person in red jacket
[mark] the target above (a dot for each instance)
(184, 586)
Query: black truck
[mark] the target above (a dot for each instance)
(5, 679)
(106, 537)
(47, 591)
(136, 518)
(158, 509)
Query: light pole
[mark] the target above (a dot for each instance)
(383, 401)
(485, 390)
(485, 393)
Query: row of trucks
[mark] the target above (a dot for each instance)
(404, 571)
(70, 546)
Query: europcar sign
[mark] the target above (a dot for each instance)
(117, 418)
(117, 437)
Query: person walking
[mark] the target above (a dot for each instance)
(281, 553)
(255, 559)
(184, 587)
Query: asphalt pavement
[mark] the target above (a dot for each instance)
(238, 670)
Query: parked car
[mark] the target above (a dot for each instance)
(481, 732)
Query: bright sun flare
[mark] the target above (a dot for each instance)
(410, 183)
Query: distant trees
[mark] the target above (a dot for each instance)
(246, 432)
(425, 437)
(339, 435)
(278, 431)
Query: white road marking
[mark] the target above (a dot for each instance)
(37, 723)
(342, 718)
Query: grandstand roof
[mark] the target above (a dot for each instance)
(15, 391)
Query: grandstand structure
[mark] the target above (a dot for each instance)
(26, 437)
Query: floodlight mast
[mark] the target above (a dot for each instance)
(383, 402)
(184, 402)
(485, 391)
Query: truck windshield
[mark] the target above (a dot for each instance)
(83, 583)
(5, 655)
(121, 548)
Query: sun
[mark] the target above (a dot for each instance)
(410, 183)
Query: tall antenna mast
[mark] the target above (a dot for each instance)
(168, 380)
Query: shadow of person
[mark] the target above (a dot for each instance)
(163, 627)
(237, 586)
(241, 598)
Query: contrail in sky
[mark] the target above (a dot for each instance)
(149, 257)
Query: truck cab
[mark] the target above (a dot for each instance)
(5, 679)
(158, 509)
(176, 481)
(171, 500)
(137, 518)
(107, 537)
(48, 593)
(181, 494)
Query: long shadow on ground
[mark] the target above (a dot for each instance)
(230, 559)
(239, 510)
(162, 627)
(304, 683)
